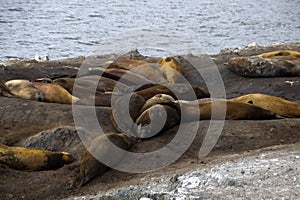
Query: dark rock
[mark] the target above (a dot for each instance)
(58, 139)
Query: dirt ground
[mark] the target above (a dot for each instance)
(22, 119)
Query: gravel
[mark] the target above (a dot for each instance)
(258, 175)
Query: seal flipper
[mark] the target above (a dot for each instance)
(4, 91)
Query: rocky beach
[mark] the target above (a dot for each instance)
(253, 159)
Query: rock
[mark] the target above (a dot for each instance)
(41, 58)
(63, 138)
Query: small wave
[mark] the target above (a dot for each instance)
(71, 38)
(4, 22)
(97, 16)
(15, 9)
(85, 43)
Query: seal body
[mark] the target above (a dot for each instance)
(172, 70)
(156, 119)
(101, 84)
(178, 90)
(281, 55)
(158, 99)
(126, 77)
(28, 159)
(123, 114)
(55, 93)
(278, 105)
(127, 64)
(24, 89)
(99, 148)
(141, 67)
(270, 64)
(223, 109)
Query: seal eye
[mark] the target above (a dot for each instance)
(250, 102)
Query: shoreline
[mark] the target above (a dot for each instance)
(221, 51)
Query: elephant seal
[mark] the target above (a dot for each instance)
(151, 122)
(223, 109)
(278, 105)
(55, 93)
(24, 89)
(90, 167)
(126, 77)
(271, 64)
(92, 98)
(158, 99)
(119, 113)
(127, 64)
(281, 55)
(141, 67)
(182, 90)
(101, 84)
(28, 159)
(171, 68)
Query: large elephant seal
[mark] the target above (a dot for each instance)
(28, 159)
(24, 89)
(141, 67)
(55, 93)
(90, 167)
(101, 84)
(172, 70)
(127, 64)
(92, 98)
(126, 77)
(124, 114)
(223, 109)
(181, 89)
(281, 55)
(278, 105)
(158, 99)
(271, 64)
(156, 119)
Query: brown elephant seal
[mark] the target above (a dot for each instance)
(158, 99)
(223, 109)
(141, 67)
(278, 105)
(101, 84)
(126, 77)
(55, 93)
(281, 55)
(92, 98)
(127, 64)
(124, 114)
(24, 89)
(28, 159)
(91, 167)
(172, 70)
(271, 64)
(156, 119)
(182, 90)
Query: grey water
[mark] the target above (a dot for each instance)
(62, 29)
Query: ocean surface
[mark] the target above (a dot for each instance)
(62, 29)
